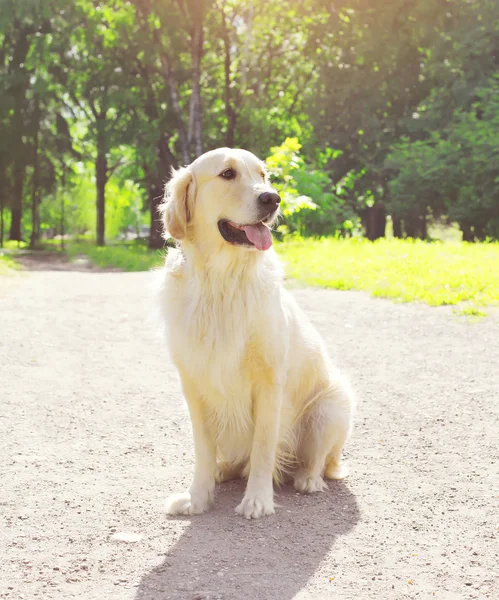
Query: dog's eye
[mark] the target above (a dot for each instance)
(228, 174)
(263, 175)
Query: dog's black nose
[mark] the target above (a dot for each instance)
(269, 199)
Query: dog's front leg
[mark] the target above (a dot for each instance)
(199, 497)
(259, 496)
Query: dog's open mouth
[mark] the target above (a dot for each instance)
(257, 235)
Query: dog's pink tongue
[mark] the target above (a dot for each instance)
(259, 235)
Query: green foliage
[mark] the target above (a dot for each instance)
(123, 207)
(284, 164)
(454, 171)
(310, 202)
(446, 166)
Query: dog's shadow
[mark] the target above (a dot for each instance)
(222, 555)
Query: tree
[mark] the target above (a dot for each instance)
(29, 109)
(371, 82)
(388, 101)
(19, 22)
(448, 168)
(90, 69)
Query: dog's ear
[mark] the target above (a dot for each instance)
(178, 203)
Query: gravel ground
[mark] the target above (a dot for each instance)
(94, 434)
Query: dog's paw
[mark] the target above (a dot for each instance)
(307, 483)
(256, 506)
(187, 504)
(336, 470)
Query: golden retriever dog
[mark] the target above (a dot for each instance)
(264, 399)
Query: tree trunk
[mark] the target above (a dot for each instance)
(197, 53)
(169, 79)
(467, 233)
(155, 189)
(375, 222)
(479, 233)
(101, 180)
(247, 46)
(17, 205)
(2, 201)
(416, 227)
(36, 177)
(19, 171)
(164, 164)
(381, 222)
(156, 240)
(423, 233)
(190, 126)
(62, 205)
(397, 227)
(229, 109)
(411, 226)
(17, 69)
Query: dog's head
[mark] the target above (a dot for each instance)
(224, 195)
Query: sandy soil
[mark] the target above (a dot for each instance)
(94, 434)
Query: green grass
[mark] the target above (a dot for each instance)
(470, 311)
(7, 265)
(403, 270)
(129, 256)
(13, 245)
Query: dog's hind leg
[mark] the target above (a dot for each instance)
(227, 471)
(323, 430)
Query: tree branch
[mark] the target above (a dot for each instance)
(117, 165)
(79, 104)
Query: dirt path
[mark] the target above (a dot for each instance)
(94, 434)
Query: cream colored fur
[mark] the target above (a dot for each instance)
(265, 401)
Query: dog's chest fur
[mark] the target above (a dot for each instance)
(227, 334)
(223, 332)
(217, 320)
